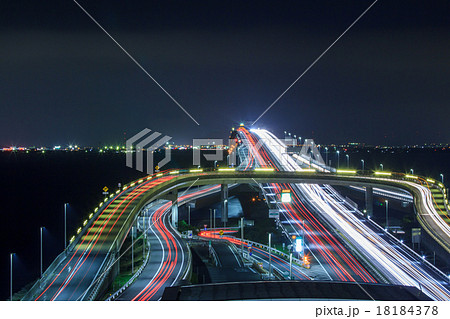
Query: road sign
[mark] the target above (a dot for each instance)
(416, 234)
(156, 168)
(299, 244)
(205, 226)
(190, 234)
(274, 213)
(221, 233)
(285, 196)
(191, 204)
(105, 190)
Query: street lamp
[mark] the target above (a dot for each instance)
(290, 265)
(442, 178)
(387, 217)
(362, 161)
(381, 165)
(11, 276)
(65, 225)
(270, 255)
(189, 214)
(42, 228)
(338, 158)
(348, 160)
(412, 171)
(210, 218)
(242, 236)
(326, 156)
(132, 249)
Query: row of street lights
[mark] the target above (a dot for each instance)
(348, 158)
(41, 229)
(362, 163)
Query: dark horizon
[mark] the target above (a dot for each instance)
(384, 83)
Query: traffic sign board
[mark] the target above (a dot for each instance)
(286, 196)
(416, 235)
(274, 213)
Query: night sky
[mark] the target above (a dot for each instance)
(62, 80)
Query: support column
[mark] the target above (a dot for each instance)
(224, 199)
(173, 196)
(175, 213)
(369, 201)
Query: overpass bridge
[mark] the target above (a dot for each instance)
(436, 224)
(104, 233)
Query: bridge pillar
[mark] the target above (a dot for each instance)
(175, 214)
(369, 201)
(174, 198)
(224, 200)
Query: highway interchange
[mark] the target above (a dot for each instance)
(341, 241)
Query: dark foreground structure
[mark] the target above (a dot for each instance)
(293, 290)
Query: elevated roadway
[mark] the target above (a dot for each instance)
(90, 256)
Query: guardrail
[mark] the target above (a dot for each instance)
(104, 270)
(133, 278)
(223, 173)
(274, 251)
(33, 293)
(411, 251)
